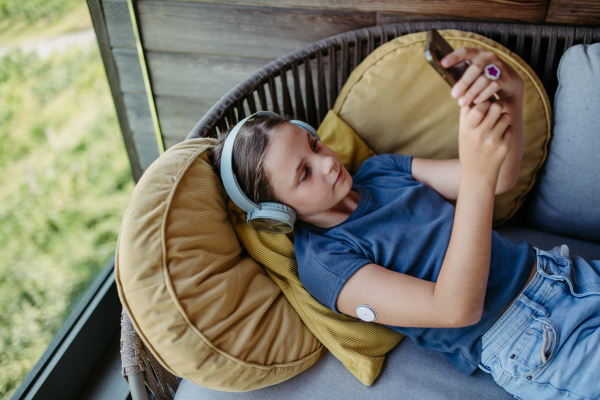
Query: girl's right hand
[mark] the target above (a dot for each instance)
(485, 135)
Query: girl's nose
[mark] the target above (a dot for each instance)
(328, 164)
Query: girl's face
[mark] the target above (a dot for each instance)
(305, 174)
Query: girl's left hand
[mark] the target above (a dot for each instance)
(473, 86)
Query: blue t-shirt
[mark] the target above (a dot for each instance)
(405, 226)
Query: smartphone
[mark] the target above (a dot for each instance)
(437, 48)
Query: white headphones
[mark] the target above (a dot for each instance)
(268, 217)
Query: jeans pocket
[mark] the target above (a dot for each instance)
(528, 351)
(537, 345)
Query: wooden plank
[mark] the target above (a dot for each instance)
(234, 30)
(118, 24)
(129, 70)
(138, 112)
(576, 12)
(395, 18)
(147, 149)
(489, 10)
(112, 74)
(187, 75)
(178, 115)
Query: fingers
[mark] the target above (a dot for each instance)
(473, 87)
(458, 55)
(487, 92)
(474, 116)
(501, 126)
(485, 115)
(476, 88)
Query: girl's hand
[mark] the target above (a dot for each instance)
(473, 86)
(485, 136)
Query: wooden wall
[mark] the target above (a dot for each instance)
(196, 51)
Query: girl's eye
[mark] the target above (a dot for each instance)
(305, 175)
(314, 146)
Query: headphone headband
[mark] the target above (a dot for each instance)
(227, 176)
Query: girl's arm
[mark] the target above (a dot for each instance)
(456, 298)
(444, 175)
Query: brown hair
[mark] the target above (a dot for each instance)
(248, 155)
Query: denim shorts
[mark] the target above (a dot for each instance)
(547, 343)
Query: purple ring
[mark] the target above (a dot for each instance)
(491, 72)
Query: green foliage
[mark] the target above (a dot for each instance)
(64, 184)
(34, 10)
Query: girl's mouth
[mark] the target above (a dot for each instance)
(339, 176)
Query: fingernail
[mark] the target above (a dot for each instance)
(444, 61)
(462, 101)
(455, 92)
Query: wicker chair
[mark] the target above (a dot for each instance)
(305, 84)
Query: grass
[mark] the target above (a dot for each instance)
(64, 184)
(16, 28)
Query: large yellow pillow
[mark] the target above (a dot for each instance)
(397, 103)
(205, 309)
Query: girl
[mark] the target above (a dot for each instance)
(384, 245)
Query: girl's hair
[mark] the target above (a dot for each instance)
(248, 155)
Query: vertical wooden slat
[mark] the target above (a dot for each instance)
(536, 38)
(504, 35)
(385, 35)
(569, 38)
(273, 93)
(300, 113)
(588, 36)
(252, 103)
(287, 99)
(345, 67)
(263, 97)
(333, 76)
(99, 23)
(223, 125)
(370, 42)
(321, 87)
(596, 34)
(241, 113)
(231, 117)
(520, 41)
(357, 51)
(311, 104)
(549, 64)
(146, 76)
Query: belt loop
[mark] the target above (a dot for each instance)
(533, 305)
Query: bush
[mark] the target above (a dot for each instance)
(64, 184)
(34, 10)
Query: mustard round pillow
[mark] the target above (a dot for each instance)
(205, 309)
(397, 103)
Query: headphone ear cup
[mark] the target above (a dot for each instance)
(306, 127)
(272, 218)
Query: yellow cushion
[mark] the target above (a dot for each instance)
(359, 345)
(206, 310)
(397, 103)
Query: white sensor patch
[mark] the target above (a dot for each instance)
(366, 313)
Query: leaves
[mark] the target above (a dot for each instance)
(64, 184)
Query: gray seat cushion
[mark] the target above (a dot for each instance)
(410, 372)
(568, 193)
